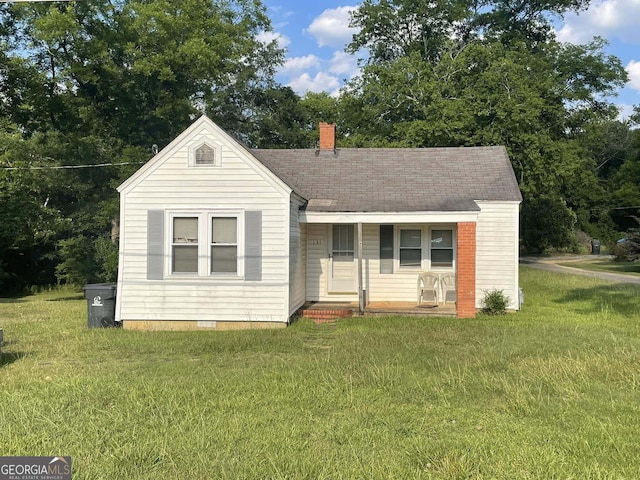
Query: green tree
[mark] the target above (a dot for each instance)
(281, 120)
(391, 29)
(29, 224)
(139, 70)
(625, 186)
(496, 75)
(547, 224)
(316, 108)
(88, 84)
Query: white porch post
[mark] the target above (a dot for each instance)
(360, 282)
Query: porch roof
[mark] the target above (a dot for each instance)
(447, 179)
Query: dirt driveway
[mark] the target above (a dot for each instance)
(551, 264)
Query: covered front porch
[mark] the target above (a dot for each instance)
(407, 268)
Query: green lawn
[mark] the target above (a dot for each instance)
(606, 265)
(550, 392)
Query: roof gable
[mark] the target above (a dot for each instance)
(219, 137)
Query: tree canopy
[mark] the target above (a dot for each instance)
(88, 88)
(88, 84)
(467, 73)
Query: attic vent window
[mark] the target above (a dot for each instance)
(205, 155)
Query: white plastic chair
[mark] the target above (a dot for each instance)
(448, 286)
(427, 287)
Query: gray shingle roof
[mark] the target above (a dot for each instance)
(395, 179)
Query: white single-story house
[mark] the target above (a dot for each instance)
(216, 235)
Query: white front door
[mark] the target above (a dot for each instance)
(342, 260)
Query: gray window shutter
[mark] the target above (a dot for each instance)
(155, 244)
(386, 248)
(253, 245)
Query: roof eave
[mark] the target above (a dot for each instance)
(388, 217)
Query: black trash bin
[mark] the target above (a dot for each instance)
(101, 304)
(595, 247)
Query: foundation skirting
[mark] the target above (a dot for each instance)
(182, 325)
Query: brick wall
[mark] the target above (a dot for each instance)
(466, 275)
(327, 136)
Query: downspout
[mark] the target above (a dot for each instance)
(360, 281)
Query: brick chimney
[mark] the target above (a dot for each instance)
(327, 136)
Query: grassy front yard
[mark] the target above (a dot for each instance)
(550, 392)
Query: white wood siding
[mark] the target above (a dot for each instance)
(297, 256)
(238, 184)
(317, 257)
(497, 250)
(399, 286)
(402, 284)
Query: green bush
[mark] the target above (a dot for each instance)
(629, 249)
(495, 302)
(106, 257)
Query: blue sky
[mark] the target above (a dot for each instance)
(314, 34)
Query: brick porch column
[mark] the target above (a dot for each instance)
(466, 275)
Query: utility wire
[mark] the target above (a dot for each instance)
(69, 167)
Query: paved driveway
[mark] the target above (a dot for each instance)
(551, 264)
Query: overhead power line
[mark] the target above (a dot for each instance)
(69, 167)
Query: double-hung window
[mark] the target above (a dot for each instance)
(205, 243)
(423, 247)
(410, 247)
(224, 245)
(184, 245)
(441, 248)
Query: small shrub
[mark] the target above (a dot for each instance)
(106, 257)
(495, 302)
(629, 250)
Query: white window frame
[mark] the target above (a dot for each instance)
(173, 244)
(425, 260)
(217, 154)
(239, 243)
(454, 240)
(204, 243)
(398, 235)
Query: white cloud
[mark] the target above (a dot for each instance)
(313, 74)
(624, 111)
(568, 34)
(321, 82)
(298, 64)
(606, 18)
(633, 69)
(344, 64)
(268, 37)
(331, 28)
(280, 10)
